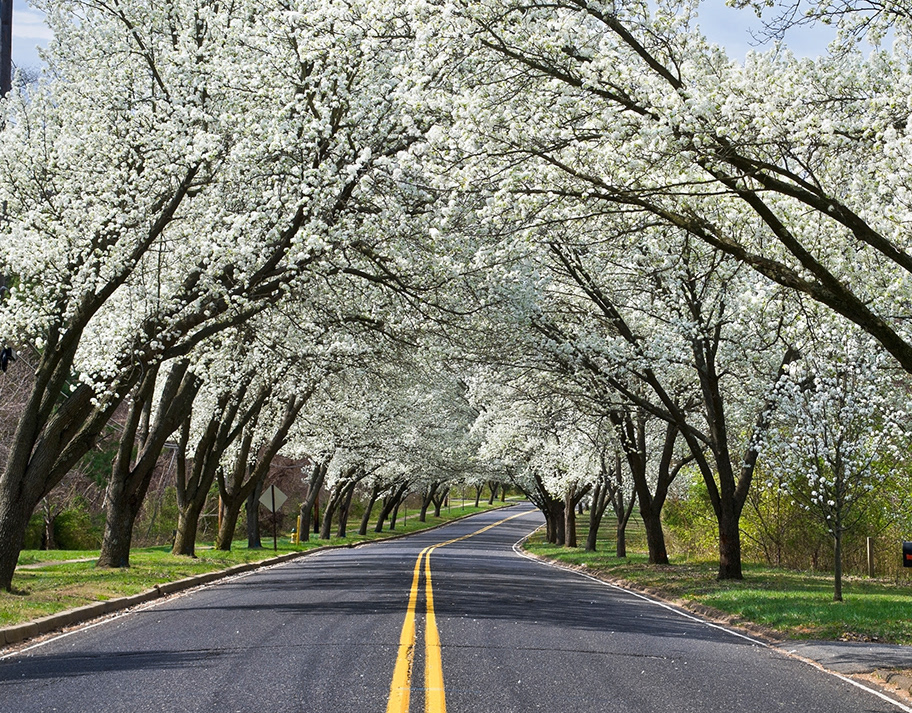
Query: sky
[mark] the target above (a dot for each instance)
(724, 25)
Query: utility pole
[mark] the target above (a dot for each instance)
(6, 46)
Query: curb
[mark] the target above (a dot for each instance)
(45, 625)
(710, 614)
(901, 680)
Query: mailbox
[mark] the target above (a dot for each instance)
(907, 554)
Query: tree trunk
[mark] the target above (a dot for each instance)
(389, 502)
(620, 539)
(569, 521)
(253, 518)
(571, 500)
(329, 511)
(655, 536)
(729, 546)
(439, 500)
(120, 515)
(226, 424)
(314, 483)
(130, 477)
(837, 563)
(231, 511)
(233, 487)
(43, 449)
(187, 525)
(426, 499)
(493, 486)
(48, 541)
(344, 509)
(395, 514)
(365, 518)
(478, 489)
(601, 496)
(13, 525)
(558, 524)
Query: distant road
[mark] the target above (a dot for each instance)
(493, 632)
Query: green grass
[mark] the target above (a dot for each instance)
(65, 584)
(791, 604)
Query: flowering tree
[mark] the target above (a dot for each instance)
(839, 430)
(178, 171)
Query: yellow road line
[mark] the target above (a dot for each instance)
(400, 688)
(434, 698)
(402, 674)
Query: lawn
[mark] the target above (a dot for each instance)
(62, 582)
(787, 603)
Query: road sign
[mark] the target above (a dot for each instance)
(273, 499)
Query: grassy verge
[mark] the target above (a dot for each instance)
(797, 605)
(60, 582)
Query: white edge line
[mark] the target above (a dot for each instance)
(687, 615)
(108, 618)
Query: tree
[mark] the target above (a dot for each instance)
(251, 463)
(786, 165)
(141, 444)
(143, 224)
(840, 429)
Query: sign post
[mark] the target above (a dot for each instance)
(272, 499)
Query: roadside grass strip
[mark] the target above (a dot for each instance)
(521, 548)
(49, 582)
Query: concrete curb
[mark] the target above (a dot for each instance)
(54, 622)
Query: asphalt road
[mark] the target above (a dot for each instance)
(323, 635)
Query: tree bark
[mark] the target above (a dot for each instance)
(254, 542)
(439, 499)
(426, 499)
(314, 484)
(601, 496)
(571, 500)
(631, 433)
(389, 503)
(130, 477)
(225, 425)
(330, 510)
(365, 518)
(345, 508)
(233, 489)
(837, 563)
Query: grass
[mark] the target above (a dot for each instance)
(796, 605)
(61, 583)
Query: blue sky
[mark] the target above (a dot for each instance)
(722, 24)
(29, 30)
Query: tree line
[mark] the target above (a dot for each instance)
(569, 245)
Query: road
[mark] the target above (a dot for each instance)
(494, 631)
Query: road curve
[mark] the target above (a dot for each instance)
(491, 631)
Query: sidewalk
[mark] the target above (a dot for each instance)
(890, 663)
(852, 657)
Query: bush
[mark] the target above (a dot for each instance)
(77, 529)
(690, 523)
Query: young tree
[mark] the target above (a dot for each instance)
(839, 431)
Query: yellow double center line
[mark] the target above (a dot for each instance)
(401, 687)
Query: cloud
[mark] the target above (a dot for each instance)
(29, 25)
